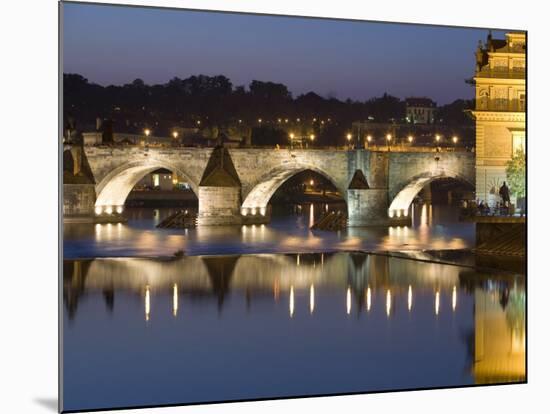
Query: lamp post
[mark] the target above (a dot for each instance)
(388, 138)
(312, 138)
(291, 136)
(437, 139)
(410, 139)
(175, 136)
(147, 132)
(369, 139)
(348, 137)
(455, 140)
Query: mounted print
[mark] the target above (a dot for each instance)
(260, 206)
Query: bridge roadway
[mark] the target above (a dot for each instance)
(234, 185)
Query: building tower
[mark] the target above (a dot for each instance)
(500, 100)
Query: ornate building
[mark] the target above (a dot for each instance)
(499, 111)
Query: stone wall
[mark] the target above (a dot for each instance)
(78, 199)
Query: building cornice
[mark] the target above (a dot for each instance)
(499, 116)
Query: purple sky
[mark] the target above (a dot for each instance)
(357, 60)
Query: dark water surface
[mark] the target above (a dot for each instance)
(204, 328)
(433, 227)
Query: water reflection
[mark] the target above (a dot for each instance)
(473, 323)
(288, 232)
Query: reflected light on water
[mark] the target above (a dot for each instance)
(348, 301)
(175, 300)
(311, 215)
(311, 299)
(410, 298)
(368, 298)
(147, 303)
(437, 302)
(388, 302)
(291, 301)
(454, 298)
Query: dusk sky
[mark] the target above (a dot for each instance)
(357, 60)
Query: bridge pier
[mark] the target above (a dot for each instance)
(219, 206)
(367, 207)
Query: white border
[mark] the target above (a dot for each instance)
(28, 30)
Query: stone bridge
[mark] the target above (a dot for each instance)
(234, 186)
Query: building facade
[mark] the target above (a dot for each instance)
(500, 104)
(420, 110)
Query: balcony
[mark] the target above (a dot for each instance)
(505, 73)
(500, 105)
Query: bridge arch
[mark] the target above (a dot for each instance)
(114, 188)
(399, 206)
(258, 197)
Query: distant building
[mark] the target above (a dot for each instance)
(420, 110)
(499, 111)
(161, 179)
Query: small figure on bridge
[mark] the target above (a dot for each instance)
(504, 192)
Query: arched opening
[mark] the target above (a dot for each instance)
(156, 187)
(439, 190)
(293, 192)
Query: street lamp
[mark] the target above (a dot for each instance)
(312, 137)
(348, 137)
(410, 138)
(175, 134)
(259, 120)
(455, 139)
(438, 138)
(388, 138)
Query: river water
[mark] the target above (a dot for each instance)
(433, 228)
(279, 311)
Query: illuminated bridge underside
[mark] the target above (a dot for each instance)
(114, 189)
(257, 199)
(399, 206)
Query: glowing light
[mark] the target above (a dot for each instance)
(147, 132)
(259, 120)
(312, 137)
(244, 211)
(297, 119)
(198, 122)
(98, 210)
(119, 209)
(438, 137)
(398, 213)
(369, 298)
(311, 215)
(311, 182)
(175, 300)
(262, 211)
(388, 302)
(405, 212)
(240, 121)
(388, 137)
(348, 301)
(437, 302)
(147, 303)
(291, 135)
(348, 136)
(175, 134)
(109, 210)
(291, 301)
(369, 138)
(453, 300)
(410, 298)
(286, 120)
(253, 211)
(279, 120)
(311, 299)
(297, 260)
(455, 139)
(391, 213)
